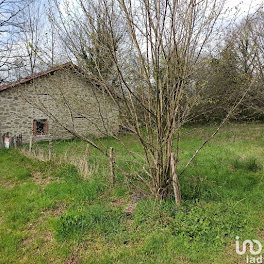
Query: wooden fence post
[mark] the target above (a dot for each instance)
(15, 142)
(50, 148)
(87, 150)
(20, 140)
(112, 166)
(30, 143)
(175, 180)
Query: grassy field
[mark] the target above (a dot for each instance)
(53, 212)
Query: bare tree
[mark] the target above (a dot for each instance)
(10, 27)
(154, 65)
(36, 46)
(248, 40)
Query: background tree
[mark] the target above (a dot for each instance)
(10, 28)
(37, 44)
(222, 83)
(229, 72)
(87, 37)
(255, 33)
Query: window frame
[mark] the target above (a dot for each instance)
(45, 127)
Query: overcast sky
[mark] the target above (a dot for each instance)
(244, 5)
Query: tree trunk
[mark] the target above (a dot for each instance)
(30, 143)
(175, 180)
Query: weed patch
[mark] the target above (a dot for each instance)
(210, 224)
(249, 164)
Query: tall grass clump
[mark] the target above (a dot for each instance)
(248, 164)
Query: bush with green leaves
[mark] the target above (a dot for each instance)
(211, 224)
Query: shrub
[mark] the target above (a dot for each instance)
(212, 224)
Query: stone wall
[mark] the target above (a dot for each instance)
(66, 99)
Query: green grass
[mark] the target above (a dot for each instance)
(66, 217)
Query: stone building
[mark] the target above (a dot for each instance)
(61, 102)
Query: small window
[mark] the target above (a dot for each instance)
(40, 127)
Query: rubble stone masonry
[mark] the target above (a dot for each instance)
(67, 100)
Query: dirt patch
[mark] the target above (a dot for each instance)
(36, 236)
(130, 208)
(76, 254)
(32, 231)
(57, 211)
(26, 242)
(36, 242)
(47, 237)
(118, 203)
(232, 256)
(8, 185)
(38, 179)
(261, 231)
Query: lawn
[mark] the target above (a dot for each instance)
(59, 211)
